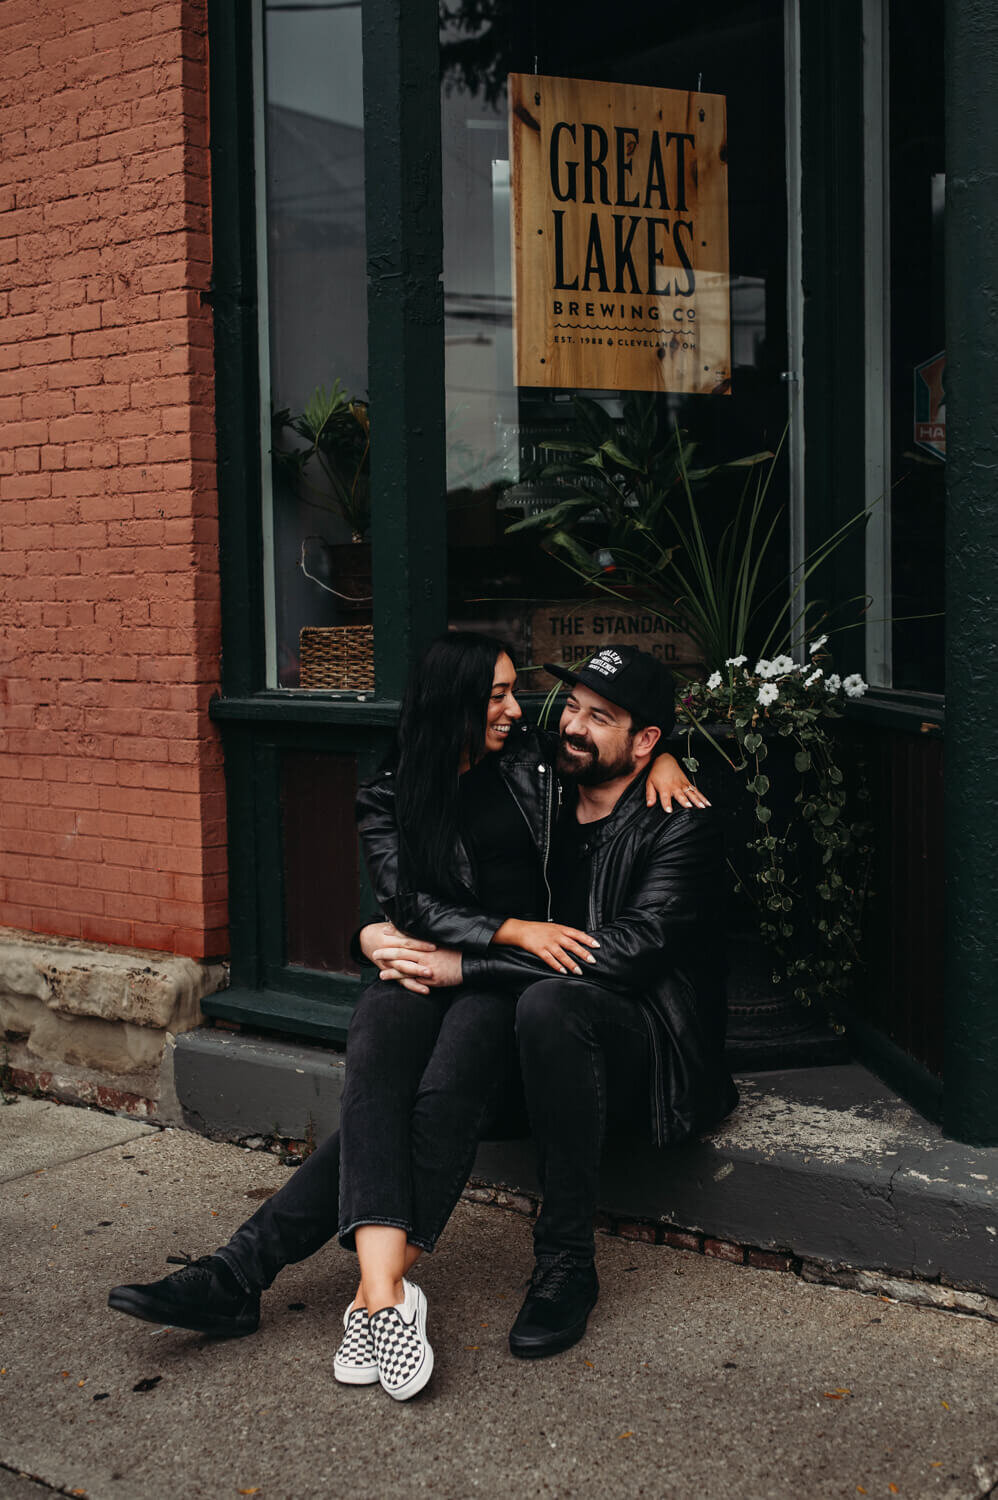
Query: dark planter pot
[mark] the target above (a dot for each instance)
(351, 576)
(767, 1027)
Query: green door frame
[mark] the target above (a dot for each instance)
(970, 1093)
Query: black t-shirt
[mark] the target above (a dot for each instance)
(570, 865)
(507, 868)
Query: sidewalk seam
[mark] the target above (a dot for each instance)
(18, 1473)
(65, 1161)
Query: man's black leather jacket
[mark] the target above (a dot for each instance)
(654, 908)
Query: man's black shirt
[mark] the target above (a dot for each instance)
(570, 864)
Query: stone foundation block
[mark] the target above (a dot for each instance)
(79, 1017)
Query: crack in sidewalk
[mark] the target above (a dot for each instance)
(19, 1473)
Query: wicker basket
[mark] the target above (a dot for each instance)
(337, 656)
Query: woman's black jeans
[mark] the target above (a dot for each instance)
(423, 1072)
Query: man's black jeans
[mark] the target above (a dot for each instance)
(422, 1075)
(585, 1063)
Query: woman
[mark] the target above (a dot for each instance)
(465, 812)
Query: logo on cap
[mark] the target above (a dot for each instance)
(607, 663)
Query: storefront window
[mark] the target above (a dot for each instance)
(313, 344)
(497, 430)
(917, 383)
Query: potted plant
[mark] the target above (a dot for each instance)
(327, 475)
(803, 861)
(332, 474)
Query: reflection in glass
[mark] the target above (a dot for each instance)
(497, 432)
(313, 338)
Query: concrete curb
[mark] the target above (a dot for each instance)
(822, 1165)
(874, 1283)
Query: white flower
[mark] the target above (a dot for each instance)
(815, 676)
(714, 680)
(833, 682)
(768, 693)
(764, 668)
(854, 685)
(817, 645)
(736, 661)
(782, 665)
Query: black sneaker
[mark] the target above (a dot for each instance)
(205, 1297)
(562, 1294)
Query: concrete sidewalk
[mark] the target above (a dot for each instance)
(699, 1380)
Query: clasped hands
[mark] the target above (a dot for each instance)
(420, 966)
(416, 965)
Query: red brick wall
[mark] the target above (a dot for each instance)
(112, 819)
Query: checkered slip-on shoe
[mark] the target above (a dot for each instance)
(354, 1362)
(405, 1359)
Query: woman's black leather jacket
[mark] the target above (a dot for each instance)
(654, 907)
(527, 767)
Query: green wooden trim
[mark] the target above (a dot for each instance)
(244, 861)
(833, 271)
(234, 301)
(270, 860)
(405, 331)
(320, 985)
(970, 1104)
(273, 1010)
(295, 708)
(257, 890)
(903, 711)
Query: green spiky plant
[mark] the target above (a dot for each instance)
(337, 429)
(636, 515)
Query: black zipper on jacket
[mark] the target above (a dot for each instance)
(546, 829)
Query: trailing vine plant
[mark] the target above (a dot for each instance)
(806, 874)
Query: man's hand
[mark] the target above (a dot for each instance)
(383, 934)
(437, 970)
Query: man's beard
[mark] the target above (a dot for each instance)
(588, 769)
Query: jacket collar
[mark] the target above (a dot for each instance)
(628, 807)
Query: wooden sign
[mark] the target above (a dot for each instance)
(569, 633)
(620, 236)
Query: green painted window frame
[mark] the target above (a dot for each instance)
(408, 474)
(834, 327)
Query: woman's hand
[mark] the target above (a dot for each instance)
(668, 780)
(385, 935)
(559, 946)
(438, 970)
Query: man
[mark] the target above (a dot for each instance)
(639, 1035)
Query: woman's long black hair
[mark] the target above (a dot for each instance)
(443, 714)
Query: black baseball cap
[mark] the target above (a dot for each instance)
(629, 678)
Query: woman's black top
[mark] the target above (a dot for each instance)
(508, 876)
